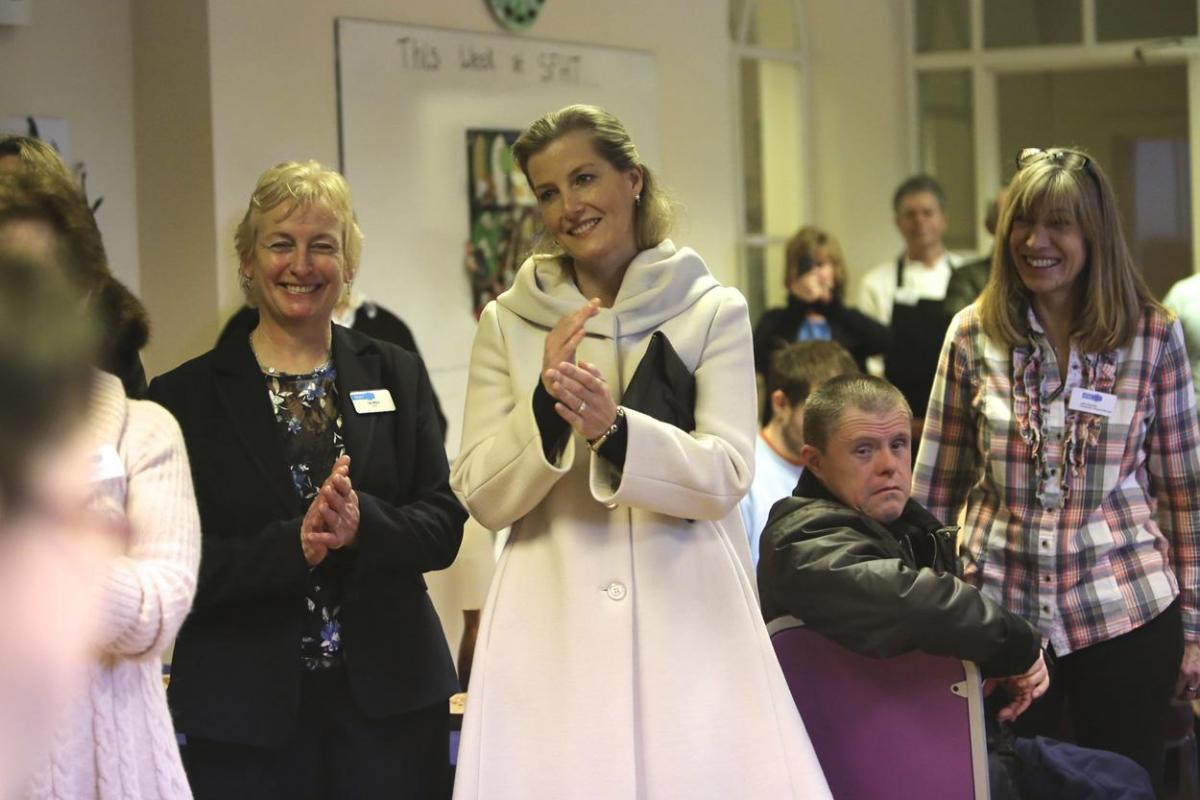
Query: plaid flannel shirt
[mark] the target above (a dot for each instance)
(1088, 526)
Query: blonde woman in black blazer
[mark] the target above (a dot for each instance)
(313, 664)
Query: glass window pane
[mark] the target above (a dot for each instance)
(947, 145)
(1145, 19)
(772, 145)
(1021, 23)
(773, 24)
(942, 25)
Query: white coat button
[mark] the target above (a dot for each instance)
(615, 590)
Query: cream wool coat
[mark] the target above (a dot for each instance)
(622, 653)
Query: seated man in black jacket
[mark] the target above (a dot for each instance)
(851, 555)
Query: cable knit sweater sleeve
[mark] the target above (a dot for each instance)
(149, 590)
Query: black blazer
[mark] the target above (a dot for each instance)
(236, 672)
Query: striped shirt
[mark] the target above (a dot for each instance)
(1086, 525)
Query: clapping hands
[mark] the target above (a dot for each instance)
(584, 400)
(331, 521)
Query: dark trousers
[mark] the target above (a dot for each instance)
(336, 752)
(1116, 693)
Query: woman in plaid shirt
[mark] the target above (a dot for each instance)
(1062, 420)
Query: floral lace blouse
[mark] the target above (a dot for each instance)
(306, 409)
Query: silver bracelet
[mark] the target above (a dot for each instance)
(598, 442)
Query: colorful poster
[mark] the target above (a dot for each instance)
(503, 215)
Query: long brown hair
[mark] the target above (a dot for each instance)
(1114, 293)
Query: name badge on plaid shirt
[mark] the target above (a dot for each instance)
(1093, 402)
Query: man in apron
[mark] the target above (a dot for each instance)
(907, 293)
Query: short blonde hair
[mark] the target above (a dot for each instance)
(1115, 294)
(37, 155)
(653, 214)
(301, 185)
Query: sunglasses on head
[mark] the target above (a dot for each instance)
(1062, 156)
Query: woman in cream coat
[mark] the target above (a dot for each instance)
(622, 653)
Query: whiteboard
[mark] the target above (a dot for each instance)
(406, 97)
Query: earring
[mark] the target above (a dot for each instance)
(243, 281)
(637, 199)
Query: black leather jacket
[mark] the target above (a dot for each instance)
(883, 590)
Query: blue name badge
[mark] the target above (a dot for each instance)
(1092, 402)
(372, 401)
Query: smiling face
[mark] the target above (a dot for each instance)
(867, 461)
(587, 204)
(1049, 253)
(297, 268)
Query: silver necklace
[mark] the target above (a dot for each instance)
(271, 370)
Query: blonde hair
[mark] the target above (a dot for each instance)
(653, 214)
(36, 155)
(1114, 293)
(301, 185)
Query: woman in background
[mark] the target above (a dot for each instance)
(116, 739)
(119, 312)
(314, 665)
(622, 653)
(815, 279)
(1062, 418)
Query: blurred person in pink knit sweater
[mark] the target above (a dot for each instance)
(115, 738)
(51, 553)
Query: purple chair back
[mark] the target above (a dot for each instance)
(903, 727)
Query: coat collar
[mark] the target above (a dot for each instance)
(357, 360)
(914, 515)
(659, 284)
(242, 392)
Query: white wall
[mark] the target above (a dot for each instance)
(273, 74)
(858, 123)
(76, 62)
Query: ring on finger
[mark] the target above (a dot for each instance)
(582, 406)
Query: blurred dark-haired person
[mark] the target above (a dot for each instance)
(795, 371)
(815, 279)
(314, 664)
(123, 319)
(53, 553)
(1063, 422)
(907, 294)
(116, 738)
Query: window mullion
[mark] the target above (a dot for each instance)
(1088, 10)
